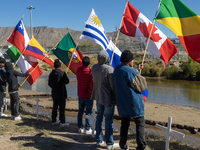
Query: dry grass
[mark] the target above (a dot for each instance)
(32, 134)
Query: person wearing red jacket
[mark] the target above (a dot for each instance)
(85, 86)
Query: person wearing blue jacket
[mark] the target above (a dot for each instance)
(130, 103)
(2, 87)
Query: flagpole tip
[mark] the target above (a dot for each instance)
(23, 16)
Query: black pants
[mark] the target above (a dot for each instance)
(140, 133)
(14, 104)
(61, 102)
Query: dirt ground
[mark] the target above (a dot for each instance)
(183, 118)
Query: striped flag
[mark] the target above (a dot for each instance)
(116, 58)
(95, 32)
(184, 22)
(35, 50)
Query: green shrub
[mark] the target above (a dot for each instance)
(171, 72)
(190, 69)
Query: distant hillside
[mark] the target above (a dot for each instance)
(48, 37)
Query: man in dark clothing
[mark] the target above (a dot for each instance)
(57, 81)
(2, 87)
(11, 79)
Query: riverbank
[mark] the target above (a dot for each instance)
(182, 117)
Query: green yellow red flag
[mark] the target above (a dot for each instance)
(184, 22)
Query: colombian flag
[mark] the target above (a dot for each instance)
(184, 22)
(34, 49)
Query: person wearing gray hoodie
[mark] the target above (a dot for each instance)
(104, 94)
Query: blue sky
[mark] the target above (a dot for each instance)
(74, 13)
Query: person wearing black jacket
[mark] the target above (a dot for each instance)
(57, 81)
(11, 79)
(2, 87)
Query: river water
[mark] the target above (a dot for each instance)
(175, 92)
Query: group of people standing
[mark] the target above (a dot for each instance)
(9, 76)
(110, 87)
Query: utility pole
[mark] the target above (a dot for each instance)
(30, 8)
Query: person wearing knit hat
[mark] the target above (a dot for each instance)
(130, 103)
(126, 56)
(57, 63)
(57, 81)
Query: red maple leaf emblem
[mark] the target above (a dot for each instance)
(146, 30)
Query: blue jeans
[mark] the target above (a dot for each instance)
(88, 104)
(108, 112)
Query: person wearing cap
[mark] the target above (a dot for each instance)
(104, 94)
(130, 103)
(57, 81)
(2, 87)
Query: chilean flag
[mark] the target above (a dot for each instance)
(135, 24)
(19, 38)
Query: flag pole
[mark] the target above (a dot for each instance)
(35, 67)
(38, 64)
(118, 33)
(3, 45)
(149, 36)
(77, 44)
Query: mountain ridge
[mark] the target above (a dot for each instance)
(49, 36)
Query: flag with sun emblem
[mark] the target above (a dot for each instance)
(65, 50)
(95, 32)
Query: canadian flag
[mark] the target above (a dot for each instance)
(135, 24)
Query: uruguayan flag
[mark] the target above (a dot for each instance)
(95, 32)
(114, 57)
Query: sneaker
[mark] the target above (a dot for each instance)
(12, 117)
(3, 115)
(64, 124)
(125, 149)
(100, 143)
(89, 131)
(81, 130)
(19, 118)
(115, 145)
(54, 123)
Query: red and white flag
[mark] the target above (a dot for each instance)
(135, 24)
(19, 38)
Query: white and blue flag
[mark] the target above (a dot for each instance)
(95, 32)
(116, 55)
